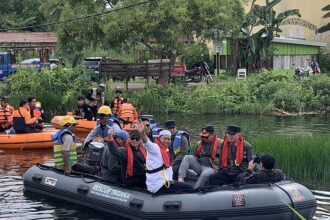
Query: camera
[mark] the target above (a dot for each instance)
(256, 159)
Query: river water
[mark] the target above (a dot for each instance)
(14, 204)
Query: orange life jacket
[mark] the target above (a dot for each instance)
(36, 112)
(23, 113)
(6, 118)
(130, 161)
(128, 113)
(214, 148)
(117, 103)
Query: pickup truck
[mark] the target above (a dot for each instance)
(7, 64)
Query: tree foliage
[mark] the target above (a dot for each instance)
(256, 45)
(326, 27)
(160, 23)
(19, 13)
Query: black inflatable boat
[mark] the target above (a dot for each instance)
(285, 200)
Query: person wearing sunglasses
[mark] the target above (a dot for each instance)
(6, 111)
(179, 146)
(203, 160)
(146, 123)
(132, 159)
(158, 163)
(235, 155)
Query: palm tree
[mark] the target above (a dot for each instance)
(327, 15)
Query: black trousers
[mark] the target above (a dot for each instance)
(94, 111)
(222, 178)
(175, 186)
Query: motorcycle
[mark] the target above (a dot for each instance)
(301, 72)
(199, 71)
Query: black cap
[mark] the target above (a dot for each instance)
(134, 133)
(207, 130)
(170, 124)
(4, 98)
(234, 128)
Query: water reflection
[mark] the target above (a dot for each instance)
(15, 205)
(252, 126)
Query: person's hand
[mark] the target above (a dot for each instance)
(251, 165)
(139, 126)
(110, 132)
(67, 170)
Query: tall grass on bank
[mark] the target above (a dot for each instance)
(302, 158)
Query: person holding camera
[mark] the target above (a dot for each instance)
(235, 155)
(266, 174)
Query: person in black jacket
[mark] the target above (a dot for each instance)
(266, 174)
(83, 111)
(132, 159)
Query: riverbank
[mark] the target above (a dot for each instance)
(261, 93)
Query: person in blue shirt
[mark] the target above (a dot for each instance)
(102, 125)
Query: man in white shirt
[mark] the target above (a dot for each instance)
(158, 162)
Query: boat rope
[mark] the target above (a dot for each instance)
(291, 207)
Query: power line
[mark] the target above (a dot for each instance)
(80, 18)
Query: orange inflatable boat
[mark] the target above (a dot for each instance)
(38, 140)
(83, 126)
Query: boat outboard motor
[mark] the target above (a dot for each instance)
(93, 153)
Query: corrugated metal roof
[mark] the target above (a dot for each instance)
(27, 37)
(287, 40)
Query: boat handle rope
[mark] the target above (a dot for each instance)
(166, 181)
(291, 207)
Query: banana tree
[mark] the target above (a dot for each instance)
(256, 46)
(327, 15)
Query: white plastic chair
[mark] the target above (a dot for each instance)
(241, 74)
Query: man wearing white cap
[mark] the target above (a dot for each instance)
(158, 161)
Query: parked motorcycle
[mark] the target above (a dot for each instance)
(301, 72)
(199, 71)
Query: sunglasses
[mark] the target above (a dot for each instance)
(135, 139)
(203, 137)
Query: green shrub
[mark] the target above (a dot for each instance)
(194, 54)
(56, 89)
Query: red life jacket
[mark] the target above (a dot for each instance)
(129, 153)
(198, 152)
(239, 152)
(165, 155)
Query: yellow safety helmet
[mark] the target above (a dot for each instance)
(38, 104)
(68, 119)
(106, 110)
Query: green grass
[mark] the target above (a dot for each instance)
(302, 158)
